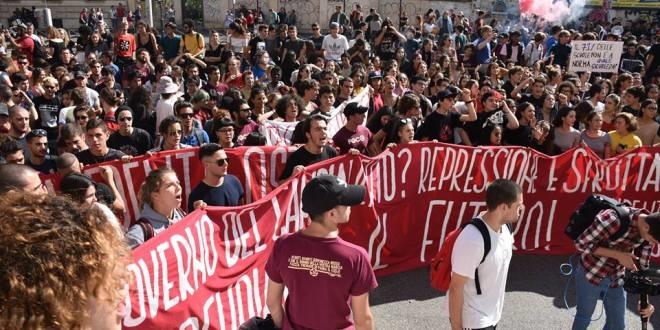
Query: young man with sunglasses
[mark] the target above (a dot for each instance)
(217, 188)
(48, 107)
(192, 136)
(130, 140)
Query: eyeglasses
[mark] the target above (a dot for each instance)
(125, 118)
(85, 118)
(39, 132)
(175, 133)
(226, 130)
(187, 115)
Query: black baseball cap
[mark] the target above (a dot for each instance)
(326, 192)
(450, 91)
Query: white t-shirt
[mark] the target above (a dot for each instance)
(334, 47)
(164, 108)
(480, 311)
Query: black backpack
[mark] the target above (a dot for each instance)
(585, 215)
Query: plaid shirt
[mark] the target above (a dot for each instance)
(606, 224)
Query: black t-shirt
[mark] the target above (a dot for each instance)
(256, 44)
(138, 143)
(521, 136)
(294, 45)
(630, 110)
(655, 51)
(439, 127)
(508, 88)
(318, 42)
(47, 167)
(85, 157)
(48, 113)
(305, 158)
(388, 46)
(536, 102)
(227, 194)
(475, 128)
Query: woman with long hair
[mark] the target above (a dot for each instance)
(234, 77)
(36, 82)
(289, 107)
(96, 45)
(595, 138)
(160, 200)
(171, 131)
(623, 137)
(146, 39)
(380, 119)
(55, 41)
(612, 109)
(566, 137)
(390, 98)
(68, 269)
(648, 126)
(237, 39)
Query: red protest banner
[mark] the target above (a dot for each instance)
(207, 271)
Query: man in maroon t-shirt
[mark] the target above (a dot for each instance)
(353, 135)
(23, 42)
(328, 278)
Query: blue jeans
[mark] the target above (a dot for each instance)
(588, 294)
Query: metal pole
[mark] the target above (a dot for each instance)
(150, 13)
(400, 10)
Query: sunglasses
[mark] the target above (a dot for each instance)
(39, 132)
(187, 115)
(222, 161)
(125, 118)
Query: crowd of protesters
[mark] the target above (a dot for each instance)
(123, 90)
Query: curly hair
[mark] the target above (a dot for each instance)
(52, 269)
(152, 183)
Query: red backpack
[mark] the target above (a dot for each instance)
(441, 263)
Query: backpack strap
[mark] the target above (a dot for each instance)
(147, 228)
(624, 221)
(199, 135)
(483, 229)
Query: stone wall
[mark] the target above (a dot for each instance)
(66, 10)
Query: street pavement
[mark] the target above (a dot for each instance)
(534, 299)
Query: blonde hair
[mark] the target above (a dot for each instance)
(56, 256)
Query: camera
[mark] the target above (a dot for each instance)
(642, 282)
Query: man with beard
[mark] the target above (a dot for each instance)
(21, 178)
(19, 120)
(39, 159)
(315, 150)
(130, 140)
(192, 135)
(97, 137)
(245, 124)
(48, 106)
(142, 66)
(23, 42)
(217, 188)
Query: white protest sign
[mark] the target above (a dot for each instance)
(595, 56)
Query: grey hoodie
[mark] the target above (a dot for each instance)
(135, 234)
